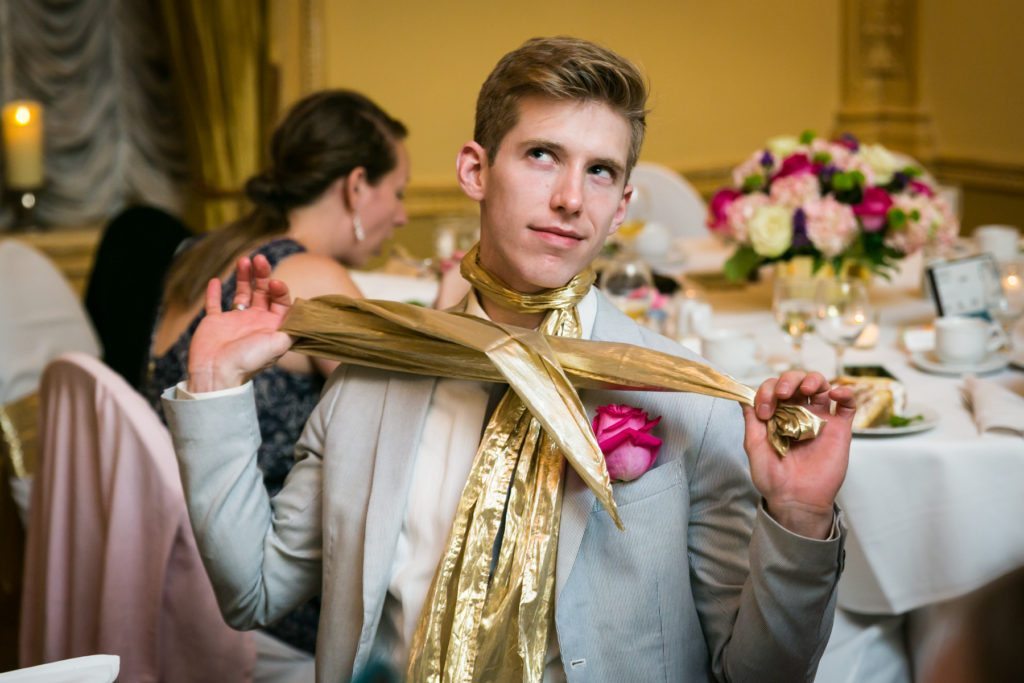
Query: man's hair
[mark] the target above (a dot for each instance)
(560, 68)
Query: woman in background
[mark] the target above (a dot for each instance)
(331, 197)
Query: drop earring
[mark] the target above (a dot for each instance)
(357, 228)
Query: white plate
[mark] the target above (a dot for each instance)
(929, 362)
(930, 419)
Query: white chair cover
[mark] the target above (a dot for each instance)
(667, 198)
(91, 669)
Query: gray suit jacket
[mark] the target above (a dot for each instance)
(701, 585)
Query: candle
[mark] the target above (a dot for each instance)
(23, 144)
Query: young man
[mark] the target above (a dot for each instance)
(728, 564)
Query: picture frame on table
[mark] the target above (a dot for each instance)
(965, 286)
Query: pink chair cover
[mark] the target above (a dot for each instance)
(111, 564)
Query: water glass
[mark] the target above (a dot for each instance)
(794, 309)
(842, 311)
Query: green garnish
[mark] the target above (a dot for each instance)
(901, 421)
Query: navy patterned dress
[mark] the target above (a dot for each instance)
(284, 401)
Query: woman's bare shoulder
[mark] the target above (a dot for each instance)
(308, 275)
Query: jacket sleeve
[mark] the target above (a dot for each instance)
(263, 556)
(766, 597)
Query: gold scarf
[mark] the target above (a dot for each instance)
(488, 613)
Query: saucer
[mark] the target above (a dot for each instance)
(929, 362)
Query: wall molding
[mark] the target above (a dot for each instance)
(980, 174)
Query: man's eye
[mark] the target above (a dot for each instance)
(540, 154)
(603, 172)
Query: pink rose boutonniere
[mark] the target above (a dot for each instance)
(623, 433)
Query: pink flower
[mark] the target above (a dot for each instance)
(831, 225)
(873, 209)
(717, 219)
(795, 190)
(927, 219)
(751, 167)
(917, 187)
(623, 433)
(795, 164)
(740, 211)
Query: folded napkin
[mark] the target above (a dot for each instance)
(995, 407)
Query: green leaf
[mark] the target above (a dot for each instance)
(897, 219)
(752, 183)
(900, 421)
(842, 182)
(807, 137)
(742, 263)
(822, 158)
(913, 172)
(858, 178)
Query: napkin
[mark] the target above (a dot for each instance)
(995, 407)
(89, 669)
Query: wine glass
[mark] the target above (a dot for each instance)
(1008, 306)
(794, 308)
(628, 282)
(842, 311)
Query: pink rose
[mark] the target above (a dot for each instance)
(623, 433)
(831, 226)
(717, 218)
(917, 187)
(795, 164)
(873, 209)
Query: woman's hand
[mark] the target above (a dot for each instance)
(800, 489)
(230, 346)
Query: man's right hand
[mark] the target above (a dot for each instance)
(230, 346)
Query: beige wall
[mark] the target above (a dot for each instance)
(724, 75)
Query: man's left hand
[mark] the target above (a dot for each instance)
(800, 488)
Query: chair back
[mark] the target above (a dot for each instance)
(667, 198)
(111, 563)
(40, 318)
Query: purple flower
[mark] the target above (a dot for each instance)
(873, 209)
(718, 220)
(800, 238)
(767, 160)
(849, 141)
(623, 434)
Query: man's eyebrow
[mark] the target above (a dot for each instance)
(616, 166)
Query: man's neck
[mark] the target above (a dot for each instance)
(500, 314)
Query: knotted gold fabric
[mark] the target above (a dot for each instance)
(490, 606)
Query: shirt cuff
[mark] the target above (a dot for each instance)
(182, 393)
(834, 534)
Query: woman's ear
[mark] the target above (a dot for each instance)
(471, 169)
(354, 188)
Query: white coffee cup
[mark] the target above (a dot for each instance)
(999, 240)
(733, 351)
(962, 341)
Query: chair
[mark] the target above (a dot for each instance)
(111, 563)
(666, 197)
(126, 284)
(40, 318)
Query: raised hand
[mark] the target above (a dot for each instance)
(230, 346)
(800, 489)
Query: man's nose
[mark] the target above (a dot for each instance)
(568, 192)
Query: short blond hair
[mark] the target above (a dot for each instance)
(560, 68)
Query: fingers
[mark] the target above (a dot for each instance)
(764, 400)
(261, 279)
(809, 387)
(213, 296)
(846, 405)
(243, 284)
(279, 296)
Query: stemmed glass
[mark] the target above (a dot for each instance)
(794, 307)
(842, 311)
(1008, 306)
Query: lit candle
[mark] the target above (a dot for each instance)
(23, 144)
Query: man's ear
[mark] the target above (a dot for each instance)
(471, 169)
(620, 211)
(353, 188)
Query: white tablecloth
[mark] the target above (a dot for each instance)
(932, 515)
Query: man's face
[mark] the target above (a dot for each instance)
(555, 191)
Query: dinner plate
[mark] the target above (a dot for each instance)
(929, 419)
(929, 362)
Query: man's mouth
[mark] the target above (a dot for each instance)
(557, 234)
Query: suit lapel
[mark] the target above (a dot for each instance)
(577, 500)
(405, 403)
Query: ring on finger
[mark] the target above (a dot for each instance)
(240, 307)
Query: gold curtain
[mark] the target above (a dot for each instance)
(219, 55)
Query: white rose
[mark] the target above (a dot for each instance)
(881, 161)
(782, 146)
(771, 230)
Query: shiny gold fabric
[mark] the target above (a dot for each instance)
(19, 435)
(487, 618)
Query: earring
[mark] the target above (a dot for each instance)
(357, 228)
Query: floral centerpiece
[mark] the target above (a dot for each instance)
(840, 202)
